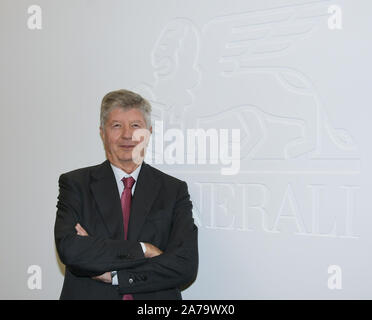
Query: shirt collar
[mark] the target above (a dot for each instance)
(120, 174)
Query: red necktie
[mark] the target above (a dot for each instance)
(126, 199)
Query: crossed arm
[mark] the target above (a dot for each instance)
(151, 251)
(90, 256)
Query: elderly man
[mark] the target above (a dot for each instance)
(124, 229)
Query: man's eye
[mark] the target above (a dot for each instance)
(136, 125)
(116, 125)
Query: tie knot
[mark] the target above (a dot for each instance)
(128, 182)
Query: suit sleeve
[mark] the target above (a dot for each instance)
(177, 266)
(86, 256)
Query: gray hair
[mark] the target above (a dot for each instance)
(124, 99)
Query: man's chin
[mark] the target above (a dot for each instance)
(131, 159)
(126, 160)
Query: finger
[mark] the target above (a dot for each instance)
(80, 230)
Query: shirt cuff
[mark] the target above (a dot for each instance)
(115, 280)
(143, 247)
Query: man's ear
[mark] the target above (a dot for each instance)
(150, 129)
(102, 133)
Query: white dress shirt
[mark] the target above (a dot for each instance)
(119, 175)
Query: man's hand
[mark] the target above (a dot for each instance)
(81, 231)
(106, 277)
(151, 250)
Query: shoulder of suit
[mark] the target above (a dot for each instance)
(164, 175)
(78, 173)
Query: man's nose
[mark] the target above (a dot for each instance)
(127, 133)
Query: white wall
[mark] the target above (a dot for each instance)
(298, 90)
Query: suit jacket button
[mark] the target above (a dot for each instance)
(130, 280)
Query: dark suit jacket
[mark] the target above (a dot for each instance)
(161, 214)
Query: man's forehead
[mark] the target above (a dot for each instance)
(129, 115)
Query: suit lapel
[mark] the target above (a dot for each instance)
(146, 191)
(106, 195)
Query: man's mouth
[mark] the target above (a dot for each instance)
(127, 146)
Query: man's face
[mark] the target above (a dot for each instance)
(118, 132)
